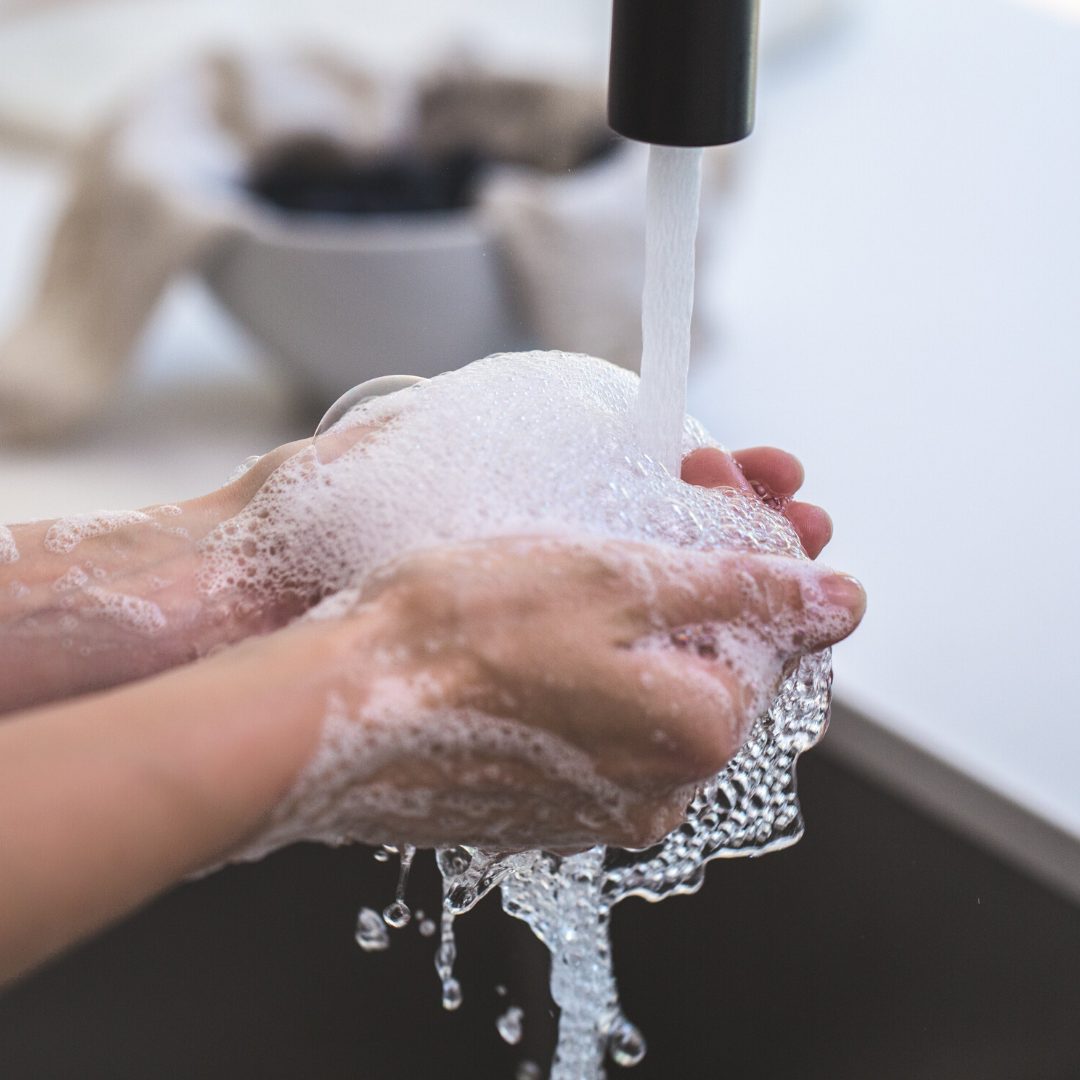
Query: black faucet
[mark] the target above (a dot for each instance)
(683, 71)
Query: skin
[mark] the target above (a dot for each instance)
(160, 767)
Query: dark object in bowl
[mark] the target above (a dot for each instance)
(316, 176)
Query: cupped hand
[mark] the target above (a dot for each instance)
(530, 691)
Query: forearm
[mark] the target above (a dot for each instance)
(95, 601)
(108, 800)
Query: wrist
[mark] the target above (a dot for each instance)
(130, 790)
(99, 599)
(230, 612)
(242, 726)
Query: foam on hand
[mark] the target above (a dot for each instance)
(65, 535)
(9, 551)
(516, 444)
(528, 445)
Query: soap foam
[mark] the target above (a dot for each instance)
(79, 596)
(516, 444)
(349, 791)
(9, 551)
(72, 579)
(132, 613)
(65, 535)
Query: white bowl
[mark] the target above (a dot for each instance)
(341, 300)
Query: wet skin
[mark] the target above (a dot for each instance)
(110, 797)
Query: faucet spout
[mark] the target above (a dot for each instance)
(683, 71)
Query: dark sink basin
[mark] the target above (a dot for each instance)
(882, 947)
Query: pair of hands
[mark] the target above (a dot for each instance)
(109, 797)
(544, 634)
(548, 634)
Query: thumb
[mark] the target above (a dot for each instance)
(798, 605)
(809, 605)
(844, 598)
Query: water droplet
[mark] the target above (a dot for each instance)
(509, 1025)
(371, 933)
(451, 995)
(453, 861)
(427, 927)
(397, 914)
(625, 1043)
(528, 1070)
(461, 898)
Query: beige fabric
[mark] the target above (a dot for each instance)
(159, 188)
(119, 241)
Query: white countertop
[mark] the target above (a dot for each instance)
(898, 296)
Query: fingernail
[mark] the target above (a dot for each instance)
(842, 590)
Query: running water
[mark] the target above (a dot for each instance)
(567, 902)
(751, 807)
(326, 524)
(671, 220)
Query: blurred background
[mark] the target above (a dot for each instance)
(217, 216)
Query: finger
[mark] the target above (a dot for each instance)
(812, 524)
(778, 471)
(799, 606)
(789, 608)
(697, 721)
(702, 710)
(710, 467)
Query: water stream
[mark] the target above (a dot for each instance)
(749, 808)
(672, 199)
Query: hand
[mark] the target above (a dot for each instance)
(109, 799)
(97, 600)
(770, 474)
(531, 692)
(125, 603)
